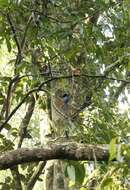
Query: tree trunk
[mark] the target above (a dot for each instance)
(66, 99)
(54, 178)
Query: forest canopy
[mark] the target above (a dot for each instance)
(64, 94)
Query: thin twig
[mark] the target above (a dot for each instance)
(25, 32)
(17, 107)
(14, 32)
(8, 98)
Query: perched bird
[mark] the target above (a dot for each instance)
(62, 101)
(66, 99)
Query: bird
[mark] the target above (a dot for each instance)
(65, 97)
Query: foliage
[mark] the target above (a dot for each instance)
(84, 45)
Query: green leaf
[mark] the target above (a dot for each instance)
(112, 149)
(76, 172)
(80, 172)
(4, 3)
(107, 1)
(128, 68)
(1, 136)
(8, 43)
(40, 179)
(107, 182)
(83, 188)
(7, 179)
(70, 53)
(15, 134)
(1, 100)
(71, 172)
(127, 154)
(24, 166)
(7, 126)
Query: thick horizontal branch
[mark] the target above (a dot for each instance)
(69, 151)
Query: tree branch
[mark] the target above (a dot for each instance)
(35, 175)
(9, 93)
(69, 151)
(16, 177)
(25, 32)
(26, 120)
(17, 107)
(14, 33)
(119, 90)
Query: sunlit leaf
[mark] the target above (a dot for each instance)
(128, 66)
(71, 172)
(80, 173)
(107, 182)
(113, 149)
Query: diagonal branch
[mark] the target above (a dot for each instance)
(35, 175)
(119, 90)
(20, 46)
(17, 107)
(26, 120)
(14, 32)
(25, 32)
(9, 93)
(16, 176)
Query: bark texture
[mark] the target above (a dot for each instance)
(61, 151)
